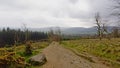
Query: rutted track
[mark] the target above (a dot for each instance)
(59, 57)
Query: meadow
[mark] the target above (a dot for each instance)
(107, 50)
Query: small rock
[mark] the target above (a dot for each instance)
(38, 59)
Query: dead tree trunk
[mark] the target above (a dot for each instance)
(98, 23)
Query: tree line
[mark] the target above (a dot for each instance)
(17, 36)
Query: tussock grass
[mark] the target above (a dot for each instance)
(109, 50)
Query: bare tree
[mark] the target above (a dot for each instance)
(101, 27)
(105, 31)
(51, 35)
(28, 47)
(16, 38)
(58, 34)
(116, 14)
(116, 11)
(98, 23)
(55, 35)
(25, 29)
(115, 32)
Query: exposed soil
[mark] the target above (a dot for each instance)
(60, 57)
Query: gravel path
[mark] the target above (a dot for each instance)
(59, 57)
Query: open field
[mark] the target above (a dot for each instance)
(107, 50)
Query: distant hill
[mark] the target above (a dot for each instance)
(72, 30)
(79, 30)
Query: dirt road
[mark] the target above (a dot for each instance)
(59, 57)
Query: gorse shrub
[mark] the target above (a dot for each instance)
(11, 60)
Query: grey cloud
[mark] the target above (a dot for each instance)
(51, 12)
(11, 5)
(73, 1)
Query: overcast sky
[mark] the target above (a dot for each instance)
(51, 13)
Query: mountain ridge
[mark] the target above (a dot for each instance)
(72, 30)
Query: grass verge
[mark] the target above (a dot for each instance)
(108, 50)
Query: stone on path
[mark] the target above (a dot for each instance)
(38, 59)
